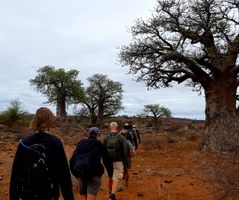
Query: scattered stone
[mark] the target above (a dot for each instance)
(168, 181)
(156, 173)
(1, 178)
(170, 140)
(140, 194)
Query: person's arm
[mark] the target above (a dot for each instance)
(64, 174)
(131, 149)
(105, 139)
(135, 139)
(138, 135)
(16, 167)
(124, 148)
(107, 160)
(108, 165)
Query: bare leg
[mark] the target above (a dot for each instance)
(91, 197)
(83, 197)
(115, 185)
(126, 176)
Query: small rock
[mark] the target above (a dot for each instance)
(1, 178)
(140, 194)
(168, 181)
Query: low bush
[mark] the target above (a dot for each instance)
(14, 114)
(153, 141)
(181, 131)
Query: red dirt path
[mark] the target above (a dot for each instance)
(176, 171)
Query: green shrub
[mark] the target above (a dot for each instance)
(182, 131)
(153, 141)
(14, 114)
(191, 126)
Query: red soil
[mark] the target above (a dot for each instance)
(175, 171)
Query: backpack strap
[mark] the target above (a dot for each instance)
(29, 148)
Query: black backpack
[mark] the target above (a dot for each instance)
(34, 181)
(83, 161)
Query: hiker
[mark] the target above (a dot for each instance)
(130, 154)
(40, 169)
(117, 148)
(137, 135)
(131, 135)
(85, 164)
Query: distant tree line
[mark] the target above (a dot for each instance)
(103, 97)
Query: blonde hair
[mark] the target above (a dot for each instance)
(42, 120)
(113, 125)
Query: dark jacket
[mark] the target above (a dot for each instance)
(86, 145)
(57, 163)
(131, 136)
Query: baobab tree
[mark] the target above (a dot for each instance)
(157, 113)
(61, 87)
(102, 98)
(195, 42)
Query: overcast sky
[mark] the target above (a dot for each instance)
(78, 34)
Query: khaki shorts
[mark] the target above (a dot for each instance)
(118, 170)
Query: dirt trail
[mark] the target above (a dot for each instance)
(177, 171)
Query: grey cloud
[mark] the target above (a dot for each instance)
(82, 35)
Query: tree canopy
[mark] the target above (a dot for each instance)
(157, 112)
(195, 42)
(184, 41)
(59, 86)
(103, 98)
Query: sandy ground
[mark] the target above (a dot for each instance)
(175, 171)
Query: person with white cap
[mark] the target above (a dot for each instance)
(117, 147)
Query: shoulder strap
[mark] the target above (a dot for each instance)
(29, 148)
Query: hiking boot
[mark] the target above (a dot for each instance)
(112, 196)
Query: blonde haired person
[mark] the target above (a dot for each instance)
(117, 147)
(55, 163)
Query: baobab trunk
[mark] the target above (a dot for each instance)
(222, 122)
(100, 113)
(92, 119)
(61, 109)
